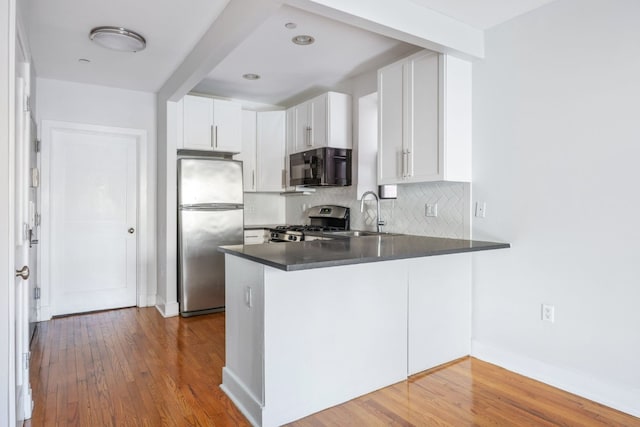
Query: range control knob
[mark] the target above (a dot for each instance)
(291, 237)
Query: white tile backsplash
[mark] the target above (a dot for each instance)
(405, 215)
(264, 208)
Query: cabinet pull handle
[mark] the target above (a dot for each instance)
(409, 168)
(216, 137)
(253, 180)
(211, 136)
(404, 163)
(309, 136)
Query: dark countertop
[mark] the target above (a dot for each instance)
(357, 250)
(260, 226)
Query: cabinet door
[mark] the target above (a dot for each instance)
(318, 121)
(227, 122)
(422, 143)
(270, 150)
(391, 124)
(439, 318)
(302, 134)
(290, 141)
(198, 116)
(247, 154)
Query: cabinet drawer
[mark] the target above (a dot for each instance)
(256, 236)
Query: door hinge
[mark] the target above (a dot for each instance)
(38, 144)
(26, 359)
(27, 104)
(36, 293)
(38, 219)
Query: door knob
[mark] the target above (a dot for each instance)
(23, 272)
(131, 230)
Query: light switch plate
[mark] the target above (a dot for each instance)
(431, 210)
(481, 209)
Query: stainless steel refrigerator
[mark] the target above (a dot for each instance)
(210, 214)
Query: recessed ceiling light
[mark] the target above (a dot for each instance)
(251, 76)
(291, 25)
(117, 38)
(84, 60)
(303, 40)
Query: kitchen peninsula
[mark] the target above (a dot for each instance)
(313, 324)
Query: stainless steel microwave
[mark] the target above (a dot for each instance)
(321, 167)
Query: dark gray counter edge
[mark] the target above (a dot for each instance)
(362, 260)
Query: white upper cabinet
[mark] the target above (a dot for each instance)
(263, 150)
(324, 121)
(424, 120)
(247, 153)
(211, 124)
(270, 151)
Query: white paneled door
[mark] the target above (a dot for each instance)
(92, 198)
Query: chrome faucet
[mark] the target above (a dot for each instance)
(379, 222)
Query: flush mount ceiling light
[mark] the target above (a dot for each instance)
(117, 38)
(251, 76)
(303, 40)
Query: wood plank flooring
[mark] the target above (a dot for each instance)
(132, 367)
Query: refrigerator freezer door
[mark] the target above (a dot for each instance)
(201, 275)
(209, 182)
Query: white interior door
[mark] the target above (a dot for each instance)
(92, 203)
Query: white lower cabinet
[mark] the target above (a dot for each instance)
(256, 236)
(263, 151)
(298, 342)
(439, 315)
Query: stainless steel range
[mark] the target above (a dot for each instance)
(321, 219)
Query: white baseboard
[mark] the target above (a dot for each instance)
(170, 309)
(146, 300)
(241, 397)
(615, 396)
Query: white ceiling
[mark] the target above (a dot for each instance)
(58, 36)
(58, 33)
(287, 70)
(482, 14)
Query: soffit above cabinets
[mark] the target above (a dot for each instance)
(287, 70)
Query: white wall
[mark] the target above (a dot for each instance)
(556, 148)
(106, 106)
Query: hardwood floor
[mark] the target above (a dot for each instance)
(132, 367)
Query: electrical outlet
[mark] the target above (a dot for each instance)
(481, 209)
(431, 210)
(548, 313)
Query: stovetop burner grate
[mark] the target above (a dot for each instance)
(307, 228)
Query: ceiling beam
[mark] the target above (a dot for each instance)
(238, 19)
(403, 20)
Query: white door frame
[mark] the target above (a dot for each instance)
(144, 254)
(7, 258)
